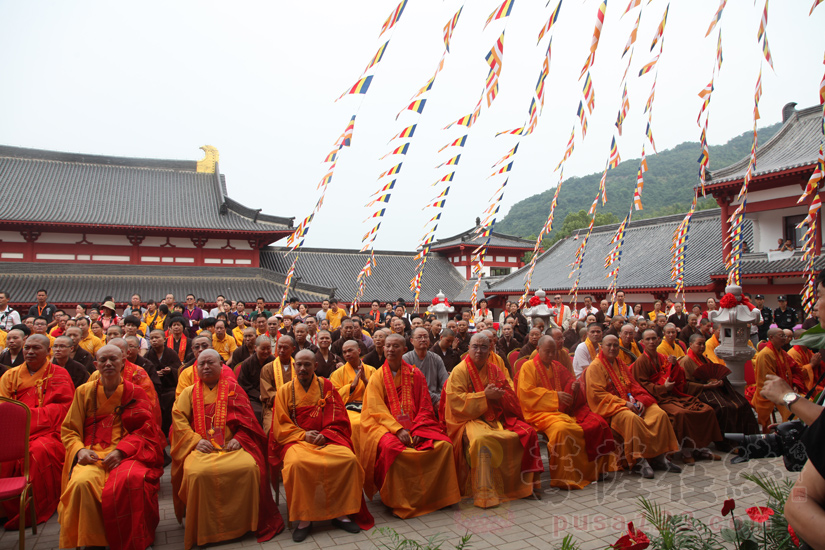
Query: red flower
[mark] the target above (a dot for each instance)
(728, 507)
(633, 540)
(759, 514)
(794, 538)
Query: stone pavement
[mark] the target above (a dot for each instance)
(595, 516)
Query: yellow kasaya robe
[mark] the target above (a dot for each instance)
(341, 379)
(489, 439)
(2, 339)
(188, 375)
(413, 480)
(567, 450)
(710, 350)
(321, 482)
(220, 492)
(776, 362)
(624, 356)
(91, 343)
(119, 507)
(645, 436)
(272, 378)
(562, 357)
(224, 347)
(667, 350)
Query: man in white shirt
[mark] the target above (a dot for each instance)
(8, 317)
(134, 308)
(218, 306)
(587, 351)
(322, 315)
(588, 309)
(619, 307)
(292, 307)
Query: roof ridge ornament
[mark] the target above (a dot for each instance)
(207, 164)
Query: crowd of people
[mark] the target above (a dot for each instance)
(341, 406)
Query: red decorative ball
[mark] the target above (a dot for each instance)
(728, 301)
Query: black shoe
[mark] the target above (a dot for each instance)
(300, 535)
(167, 459)
(348, 526)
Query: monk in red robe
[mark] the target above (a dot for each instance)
(310, 440)
(47, 390)
(114, 460)
(405, 452)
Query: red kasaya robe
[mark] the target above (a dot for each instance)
(48, 395)
(129, 500)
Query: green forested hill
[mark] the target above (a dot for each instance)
(668, 189)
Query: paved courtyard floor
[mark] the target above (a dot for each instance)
(595, 516)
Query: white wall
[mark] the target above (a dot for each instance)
(769, 226)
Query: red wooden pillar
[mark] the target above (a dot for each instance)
(724, 203)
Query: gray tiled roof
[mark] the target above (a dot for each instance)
(390, 279)
(496, 239)
(79, 283)
(54, 187)
(645, 259)
(758, 263)
(796, 144)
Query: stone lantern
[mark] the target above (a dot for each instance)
(734, 335)
(541, 310)
(442, 309)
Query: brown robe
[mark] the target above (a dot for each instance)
(325, 368)
(733, 412)
(693, 422)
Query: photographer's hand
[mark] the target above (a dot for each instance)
(775, 388)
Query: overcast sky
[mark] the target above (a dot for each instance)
(258, 81)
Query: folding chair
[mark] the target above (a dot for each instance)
(14, 433)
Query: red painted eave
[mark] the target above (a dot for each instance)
(274, 235)
(761, 178)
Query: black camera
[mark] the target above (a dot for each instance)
(785, 441)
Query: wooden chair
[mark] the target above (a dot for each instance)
(14, 432)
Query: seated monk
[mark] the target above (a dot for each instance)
(188, 374)
(497, 454)
(47, 390)
(137, 376)
(402, 437)
(810, 363)
(113, 464)
(351, 382)
(669, 346)
(218, 443)
(694, 422)
(310, 440)
(616, 396)
(774, 360)
(580, 444)
(628, 348)
(274, 375)
(733, 412)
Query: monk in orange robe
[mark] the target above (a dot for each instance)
(775, 360)
(310, 440)
(218, 443)
(810, 363)
(47, 390)
(113, 464)
(404, 450)
(504, 457)
(188, 374)
(694, 422)
(275, 374)
(616, 396)
(351, 381)
(580, 444)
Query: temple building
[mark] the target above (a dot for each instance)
(89, 226)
